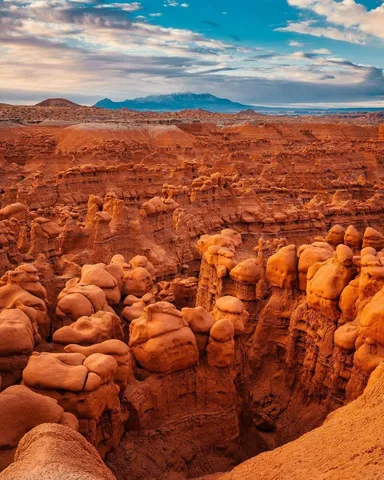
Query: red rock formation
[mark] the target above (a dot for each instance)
(20, 411)
(104, 229)
(43, 453)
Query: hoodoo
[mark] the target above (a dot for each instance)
(190, 294)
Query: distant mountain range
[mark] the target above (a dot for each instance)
(176, 102)
(192, 101)
(205, 101)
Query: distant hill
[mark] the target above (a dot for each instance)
(176, 102)
(57, 102)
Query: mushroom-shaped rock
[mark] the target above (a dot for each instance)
(137, 282)
(21, 288)
(84, 386)
(89, 330)
(21, 410)
(247, 272)
(346, 336)
(373, 238)
(55, 371)
(135, 306)
(200, 322)
(353, 238)
(372, 320)
(233, 309)
(198, 319)
(223, 258)
(80, 301)
(17, 335)
(221, 345)
(44, 454)
(16, 210)
(161, 339)
(227, 239)
(115, 348)
(335, 235)
(327, 280)
(368, 356)
(348, 298)
(372, 274)
(233, 235)
(308, 256)
(142, 261)
(282, 268)
(99, 275)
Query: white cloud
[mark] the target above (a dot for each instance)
(174, 3)
(155, 14)
(293, 43)
(309, 27)
(322, 51)
(224, 13)
(126, 7)
(103, 51)
(351, 19)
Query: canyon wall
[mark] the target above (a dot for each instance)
(187, 314)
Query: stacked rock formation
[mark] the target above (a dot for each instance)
(20, 411)
(85, 387)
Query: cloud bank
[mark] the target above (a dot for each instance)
(86, 50)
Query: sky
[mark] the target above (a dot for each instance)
(258, 52)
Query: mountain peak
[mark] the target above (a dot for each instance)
(175, 102)
(57, 102)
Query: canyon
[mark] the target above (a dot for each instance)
(190, 294)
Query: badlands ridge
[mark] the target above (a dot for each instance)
(190, 295)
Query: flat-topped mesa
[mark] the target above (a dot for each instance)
(84, 386)
(161, 339)
(21, 410)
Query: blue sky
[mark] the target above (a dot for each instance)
(261, 52)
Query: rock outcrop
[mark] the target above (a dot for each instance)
(85, 387)
(195, 288)
(20, 411)
(162, 340)
(44, 454)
